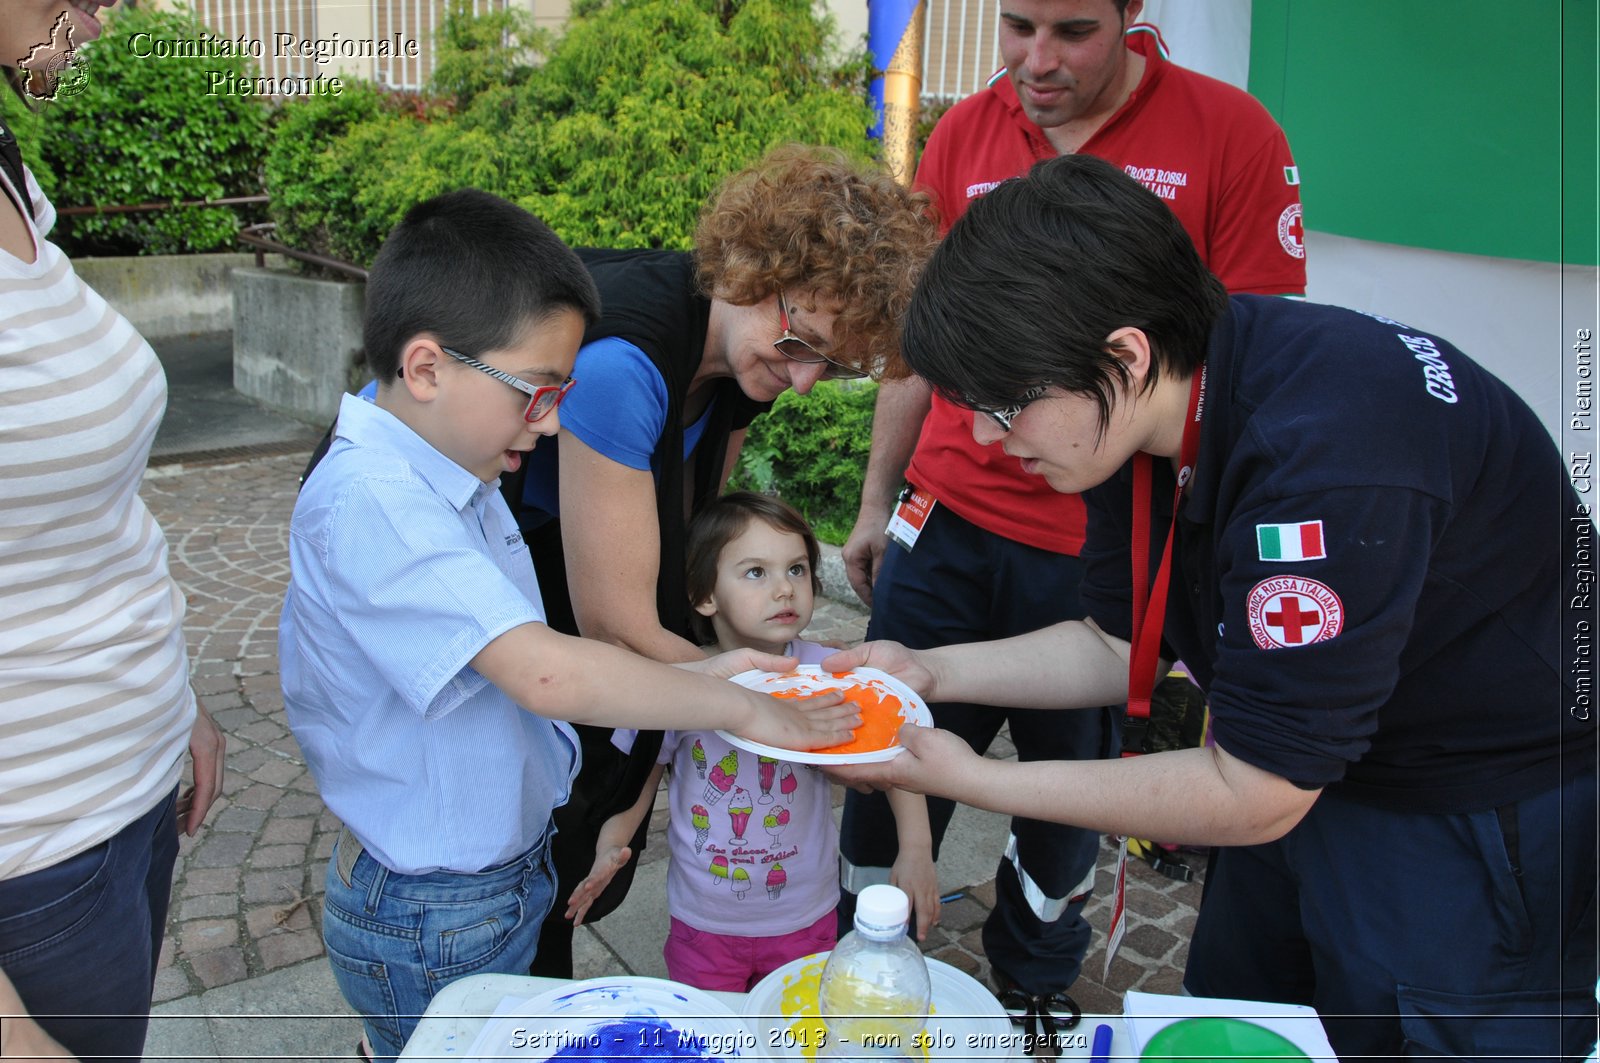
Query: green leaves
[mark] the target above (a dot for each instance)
(615, 134)
(637, 112)
(812, 450)
(147, 128)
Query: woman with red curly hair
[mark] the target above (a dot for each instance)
(803, 266)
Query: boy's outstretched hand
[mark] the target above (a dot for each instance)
(788, 723)
(800, 723)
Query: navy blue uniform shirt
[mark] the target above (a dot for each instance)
(1370, 579)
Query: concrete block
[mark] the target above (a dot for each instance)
(168, 295)
(296, 340)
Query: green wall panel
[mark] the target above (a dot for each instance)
(1466, 125)
(1580, 128)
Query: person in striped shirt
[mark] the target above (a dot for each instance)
(96, 710)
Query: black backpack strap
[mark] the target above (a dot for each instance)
(11, 162)
(321, 452)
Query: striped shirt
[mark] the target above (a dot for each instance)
(95, 706)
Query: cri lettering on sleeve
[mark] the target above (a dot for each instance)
(1434, 368)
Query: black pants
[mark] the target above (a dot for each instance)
(964, 584)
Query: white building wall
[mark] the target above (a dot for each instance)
(1516, 318)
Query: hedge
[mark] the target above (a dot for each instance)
(143, 129)
(811, 450)
(615, 139)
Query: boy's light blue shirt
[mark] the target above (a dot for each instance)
(403, 566)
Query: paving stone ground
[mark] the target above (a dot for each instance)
(247, 889)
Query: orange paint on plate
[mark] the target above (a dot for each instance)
(880, 716)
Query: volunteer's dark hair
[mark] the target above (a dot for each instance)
(473, 269)
(723, 521)
(1030, 281)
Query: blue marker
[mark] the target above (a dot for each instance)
(1102, 1044)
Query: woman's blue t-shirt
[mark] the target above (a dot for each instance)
(618, 408)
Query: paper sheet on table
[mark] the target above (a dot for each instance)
(1145, 1013)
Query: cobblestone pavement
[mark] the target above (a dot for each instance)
(247, 889)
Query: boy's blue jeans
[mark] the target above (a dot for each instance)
(395, 940)
(79, 939)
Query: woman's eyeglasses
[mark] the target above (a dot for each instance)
(796, 349)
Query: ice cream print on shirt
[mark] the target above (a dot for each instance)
(768, 771)
(750, 825)
(720, 779)
(739, 809)
(700, 817)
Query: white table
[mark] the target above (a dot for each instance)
(462, 1008)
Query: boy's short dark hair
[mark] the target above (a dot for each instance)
(723, 521)
(473, 269)
(1030, 281)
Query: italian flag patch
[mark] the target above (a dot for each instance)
(1291, 542)
(1291, 175)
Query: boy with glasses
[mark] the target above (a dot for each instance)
(418, 673)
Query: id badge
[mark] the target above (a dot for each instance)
(909, 517)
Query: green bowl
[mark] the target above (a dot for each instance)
(1217, 1040)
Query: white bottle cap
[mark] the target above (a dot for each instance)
(882, 910)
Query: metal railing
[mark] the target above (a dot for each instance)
(253, 237)
(961, 46)
(960, 50)
(262, 21)
(289, 32)
(134, 208)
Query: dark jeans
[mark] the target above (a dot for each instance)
(963, 584)
(1467, 936)
(80, 939)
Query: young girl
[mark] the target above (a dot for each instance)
(754, 878)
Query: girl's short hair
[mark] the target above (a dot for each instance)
(812, 222)
(723, 521)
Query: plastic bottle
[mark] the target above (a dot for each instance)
(874, 992)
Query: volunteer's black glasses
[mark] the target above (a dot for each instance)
(542, 398)
(796, 349)
(1007, 414)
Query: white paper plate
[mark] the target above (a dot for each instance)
(811, 679)
(632, 1018)
(965, 1022)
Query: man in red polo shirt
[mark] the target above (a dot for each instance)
(980, 550)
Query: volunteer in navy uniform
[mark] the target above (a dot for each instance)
(1372, 576)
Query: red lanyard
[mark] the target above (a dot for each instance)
(1150, 603)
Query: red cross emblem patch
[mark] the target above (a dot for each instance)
(1287, 611)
